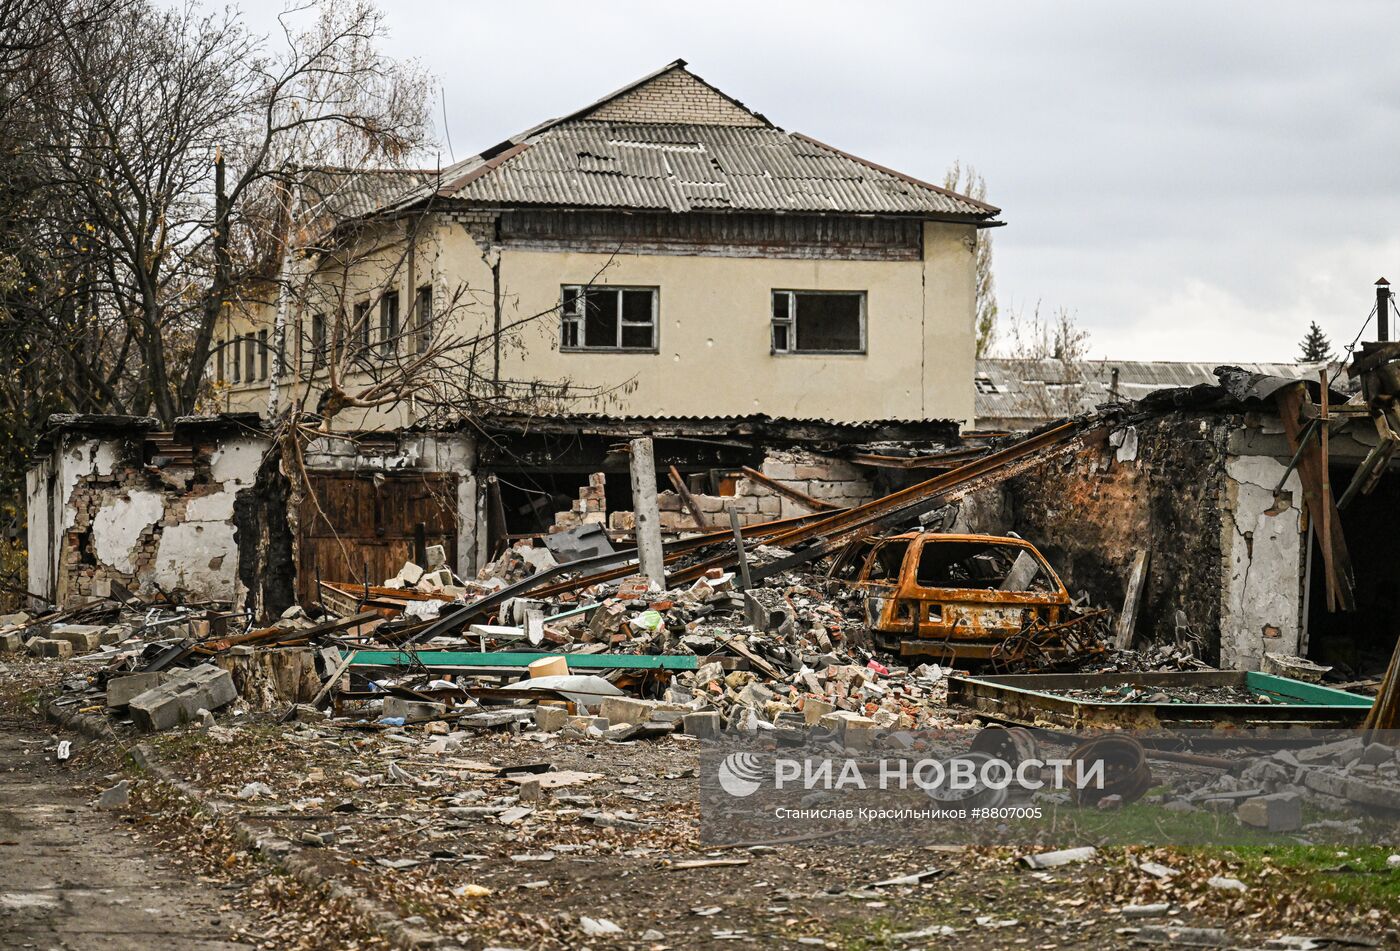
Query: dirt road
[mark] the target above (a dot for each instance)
(74, 876)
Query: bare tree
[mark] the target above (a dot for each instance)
(162, 137)
(1048, 356)
(965, 180)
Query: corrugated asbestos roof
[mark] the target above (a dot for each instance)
(340, 194)
(678, 167)
(931, 431)
(683, 168)
(1010, 389)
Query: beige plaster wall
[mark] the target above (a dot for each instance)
(714, 355)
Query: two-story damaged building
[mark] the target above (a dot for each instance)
(665, 251)
(664, 262)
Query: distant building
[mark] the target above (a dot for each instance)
(1012, 394)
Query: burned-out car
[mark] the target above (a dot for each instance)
(953, 597)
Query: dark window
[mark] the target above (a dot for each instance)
(318, 341)
(219, 365)
(262, 354)
(984, 565)
(818, 321)
(250, 357)
(389, 321)
(425, 318)
(608, 318)
(984, 384)
(359, 329)
(236, 358)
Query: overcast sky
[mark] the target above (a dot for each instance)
(1195, 181)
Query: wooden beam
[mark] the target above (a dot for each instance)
(687, 499)
(802, 498)
(1330, 539)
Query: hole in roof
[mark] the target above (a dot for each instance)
(660, 146)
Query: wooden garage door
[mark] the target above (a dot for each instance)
(364, 530)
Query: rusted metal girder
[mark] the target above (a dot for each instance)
(838, 525)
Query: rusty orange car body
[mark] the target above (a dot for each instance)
(951, 597)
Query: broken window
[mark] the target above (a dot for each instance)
(389, 322)
(984, 384)
(425, 318)
(887, 561)
(359, 328)
(608, 318)
(318, 341)
(262, 354)
(986, 565)
(818, 321)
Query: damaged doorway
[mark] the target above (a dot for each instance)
(1361, 641)
(370, 523)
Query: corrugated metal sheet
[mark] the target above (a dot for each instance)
(684, 167)
(1009, 390)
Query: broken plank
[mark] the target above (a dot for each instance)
(1127, 620)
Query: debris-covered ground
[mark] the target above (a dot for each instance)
(405, 749)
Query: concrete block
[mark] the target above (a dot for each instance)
(17, 619)
(83, 637)
(631, 710)
(121, 690)
(551, 719)
(813, 710)
(782, 471)
(835, 492)
(584, 723)
(851, 730)
(120, 632)
(11, 641)
(49, 647)
(182, 696)
(710, 504)
(705, 726)
(410, 573)
(626, 710)
(436, 557)
(412, 709)
(1280, 812)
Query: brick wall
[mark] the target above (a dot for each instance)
(675, 96)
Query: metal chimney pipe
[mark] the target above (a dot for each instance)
(1383, 310)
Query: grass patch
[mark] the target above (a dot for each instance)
(1354, 875)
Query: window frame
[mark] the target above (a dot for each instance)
(318, 341)
(359, 325)
(250, 356)
(577, 319)
(789, 325)
(263, 349)
(423, 315)
(390, 322)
